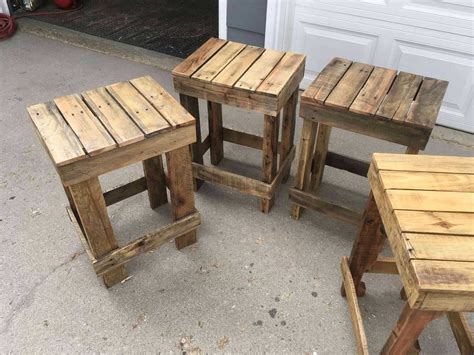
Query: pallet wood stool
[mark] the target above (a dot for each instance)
(256, 79)
(377, 102)
(101, 130)
(424, 206)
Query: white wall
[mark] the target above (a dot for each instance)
(4, 7)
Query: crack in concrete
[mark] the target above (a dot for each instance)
(27, 300)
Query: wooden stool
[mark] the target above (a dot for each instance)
(101, 130)
(364, 99)
(257, 79)
(424, 205)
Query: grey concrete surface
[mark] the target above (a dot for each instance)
(253, 282)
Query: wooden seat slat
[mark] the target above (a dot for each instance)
(440, 246)
(60, 141)
(162, 101)
(374, 91)
(138, 108)
(113, 117)
(427, 181)
(349, 86)
(189, 66)
(90, 131)
(327, 79)
(282, 74)
(400, 97)
(259, 70)
(436, 201)
(214, 66)
(435, 222)
(425, 108)
(238, 66)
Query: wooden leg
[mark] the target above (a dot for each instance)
(270, 155)
(304, 163)
(155, 181)
(192, 105)
(367, 245)
(90, 204)
(180, 177)
(407, 330)
(320, 153)
(462, 333)
(288, 130)
(216, 132)
(412, 150)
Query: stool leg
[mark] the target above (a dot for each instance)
(155, 181)
(462, 333)
(306, 150)
(367, 245)
(407, 330)
(270, 155)
(90, 204)
(180, 180)
(191, 104)
(288, 130)
(215, 131)
(412, 150)
(320, 153)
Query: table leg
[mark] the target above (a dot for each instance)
(155, 181)
(303, 173)
(320, 153)
(367, 245)
(90, 204)
(288, 130)
(270, 156)
(180, 180)
(191, 104)
(407, 330)
(215, 131)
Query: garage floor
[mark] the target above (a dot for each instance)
(252, 283)
(174, 27)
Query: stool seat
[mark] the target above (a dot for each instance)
(101, 130)
(427, 205)
(373, 99)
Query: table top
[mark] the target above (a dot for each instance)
(243, 67)
(377, 92)
(75, 127)
(427, 207)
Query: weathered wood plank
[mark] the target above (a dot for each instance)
(58, 138)
(155, 181)
(125, 191)
(349, 86)
(138, 108)
(371, 95)
(343, 162)
(112, 116)
(175, 114)
(93, 136)
(440, 247)
(384, 265)
(215, 132)
(462, 333)
(400, 97)
(146, 243)
(238, 66)
(288, 129)
(327, 79)
(271, 127)
(436, 201)
(192, 63)
(218, 62)
(257, 73)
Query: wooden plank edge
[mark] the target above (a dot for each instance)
(241, 183)
(343, 162)
(80, 234)
(245, 139)
(146, 243)
(354, 310)
(127, 190)
(310, 201)
(384, 265)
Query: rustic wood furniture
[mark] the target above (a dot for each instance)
(256, 79)
(424, 206)
(101, 130)
(377, 102)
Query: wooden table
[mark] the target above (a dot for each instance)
(252, 78)
(97, 131)
(425, 206)
(378, 102)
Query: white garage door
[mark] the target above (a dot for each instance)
(428, 37)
